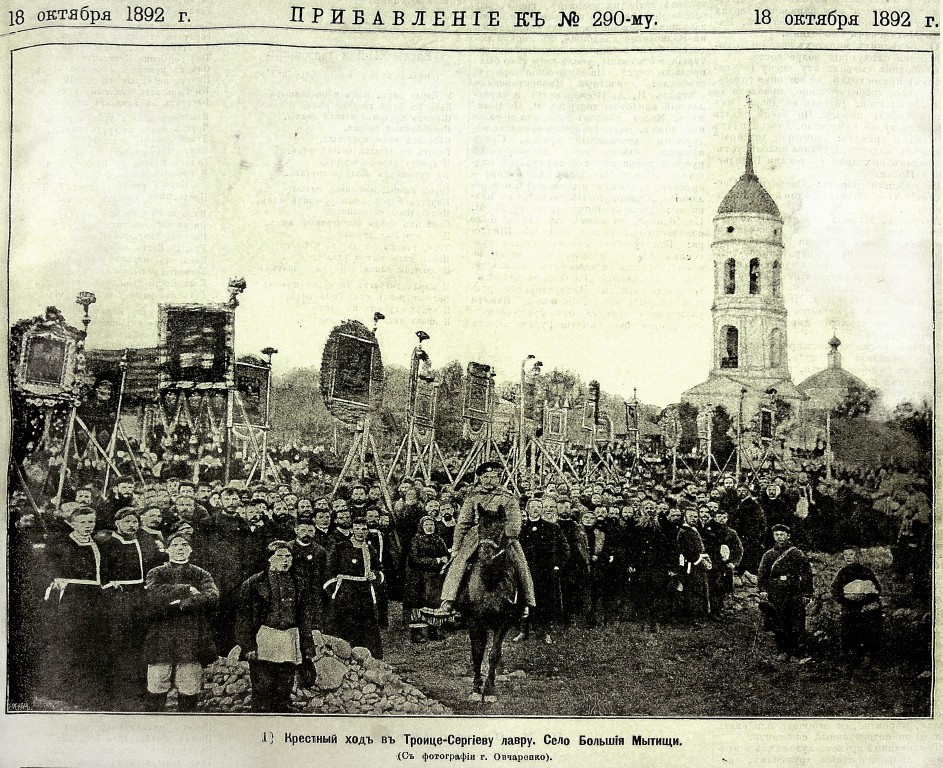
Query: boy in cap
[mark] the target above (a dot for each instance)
(273, 630)
(180, 597)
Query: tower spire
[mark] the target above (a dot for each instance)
(749, 164)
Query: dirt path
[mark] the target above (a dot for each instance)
(618, 670)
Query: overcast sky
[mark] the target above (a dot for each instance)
(507, 204)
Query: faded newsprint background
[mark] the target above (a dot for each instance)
(509, 194)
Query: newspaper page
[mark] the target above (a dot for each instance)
(476, 383)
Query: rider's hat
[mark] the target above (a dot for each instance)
(487, 466)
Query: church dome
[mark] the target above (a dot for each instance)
(828, 389)
(748, 196)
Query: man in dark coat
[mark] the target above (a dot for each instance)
(123, 579)
(749, 521)
(670, 519)
(802, 501)
(273, 630)
(728, 499)
(324, 530)
(186, 509)
(353, 568)
(648, 558)
(222, 550)
(74, 668)
(598, 564)
(729, 555)
(258, 535)
(391, 555)
(122, 496)
(378, 540)
(711, 539)
(785, 581)
(577, 596)
(309, 563)
(546, 551)
(695, 564)
(151, 537)
(617, 543)
(359, 503)
(776, 508)
(180, 598)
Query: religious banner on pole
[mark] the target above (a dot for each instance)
(424, 404)
(196, 346)
(671, 427)
(47, 358)
(252, 386)
(477, 402)
(351, 372)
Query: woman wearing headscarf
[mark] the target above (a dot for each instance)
(428, 555)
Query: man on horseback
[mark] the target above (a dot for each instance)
(489, 512)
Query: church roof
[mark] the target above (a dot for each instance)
(835, 379)
(726, 386)
(748, 195)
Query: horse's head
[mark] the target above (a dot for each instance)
(492, 560)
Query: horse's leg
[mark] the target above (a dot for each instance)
(494, 658)
(478, 635)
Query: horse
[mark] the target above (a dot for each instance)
(489, 602)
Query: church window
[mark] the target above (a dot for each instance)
(776, 278)
(730, 276)
(730, 353)
(754, 276)
(776, 348)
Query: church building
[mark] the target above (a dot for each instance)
(750, 350)
(828, 389)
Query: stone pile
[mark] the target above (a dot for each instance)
(347, 681)
(746, 595)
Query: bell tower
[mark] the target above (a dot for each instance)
(749, 314)
(749, 351)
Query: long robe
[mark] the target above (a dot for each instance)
(74, 668)
(123, 570)
(547, 551)
(354, 614)
(695, 595)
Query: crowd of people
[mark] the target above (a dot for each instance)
(118, 599)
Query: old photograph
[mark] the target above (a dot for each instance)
(522, 382)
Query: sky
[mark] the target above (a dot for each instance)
(506, 203)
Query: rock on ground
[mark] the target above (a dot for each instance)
(347, 680)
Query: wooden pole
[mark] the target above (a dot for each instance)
(114, 430)
(65, 456)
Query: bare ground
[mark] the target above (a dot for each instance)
(723, 669)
